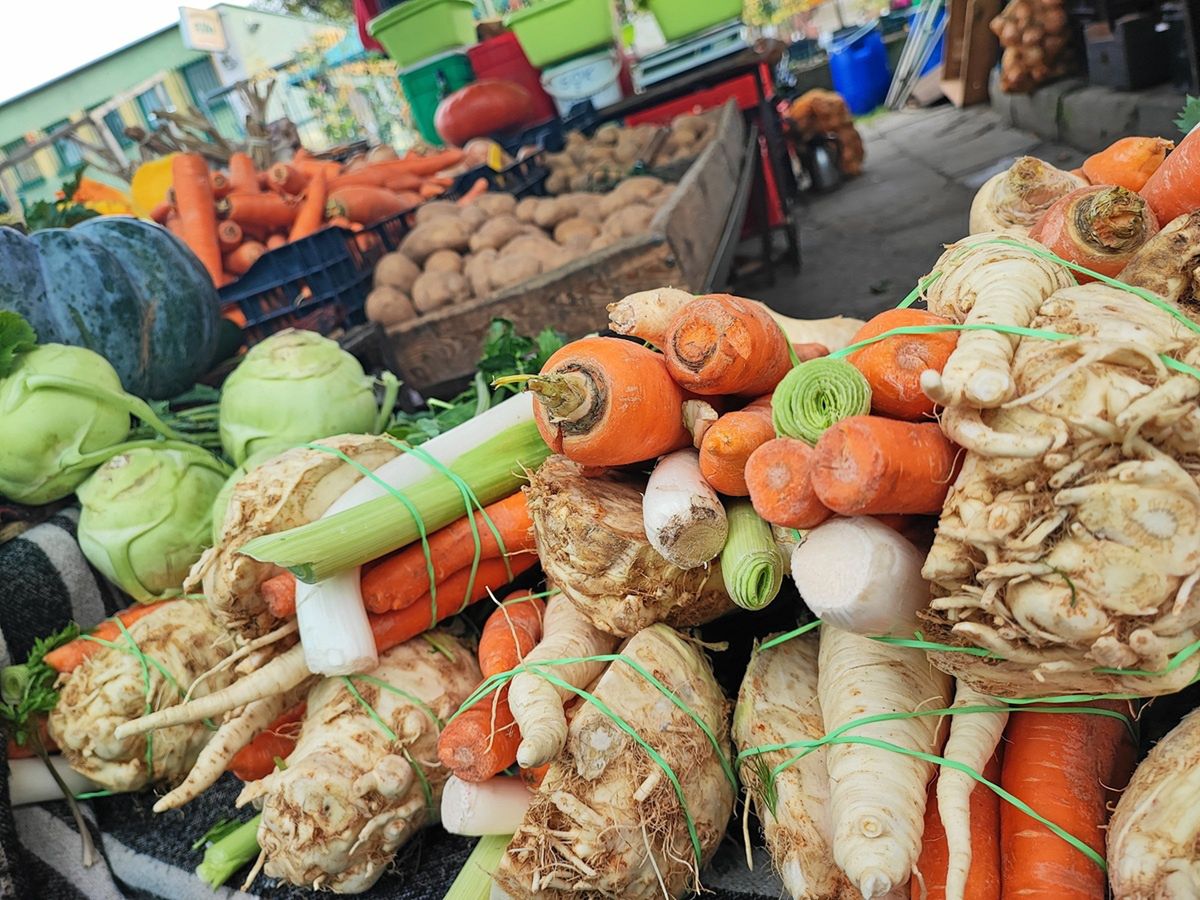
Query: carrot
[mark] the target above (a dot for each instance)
(728, 443)
(779, 478)
(257, 759)
(400, 625)
(279, 593)
(172, 223)
(805, 352)
(482, 741)
(478, 189)
(221, 185)
(721, 344)
(983, 881)
(1064, 766)
(25, 751)
(409, 199)
(370, 176)
(229, 236)
(533, 777)
(403, 183)
(894, 365)
(430, 189)
(340, 222)
(285, 179)
(362, 203)
(1174, 188)
(1128, 162)
(275, 241)
(270, 211)
(425, 166)
(310, 165)
(608, 402)
(366, 242)
(403, 577)
(868, 465)
(70, 655)
(1100, 227)
(509, 633)
(160, 213)
(312, 211)
(194, 200)
(243, 176)
(240, 260)
(1079, 173)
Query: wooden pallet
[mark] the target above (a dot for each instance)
(971, 50)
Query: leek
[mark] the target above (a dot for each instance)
(816, 394)
(474, 881)
(320, 549)
(750, 563)
(234, 850)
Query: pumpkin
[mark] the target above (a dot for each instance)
(485, 107)
(123, 287)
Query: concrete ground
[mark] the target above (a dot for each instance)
(865, 245)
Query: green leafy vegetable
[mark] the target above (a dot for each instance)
(27, 691)
(16, 336)
(1189, 116)
(59, 213)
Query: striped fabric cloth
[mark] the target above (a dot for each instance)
(46, 583)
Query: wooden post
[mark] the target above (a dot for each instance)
(970, 50)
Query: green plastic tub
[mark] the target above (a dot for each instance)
(425, 86)
(550, 31)
(683, 18)
(416, 30)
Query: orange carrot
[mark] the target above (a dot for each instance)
(509, 633)
(1100, 227)
(285, 179)
(624, 404)
(425, 166)
(229, 235)
(869, 465)
(403, 577)
(534, 777)
(728, 443)
(894, 365)
(257, 759)
(409, 199)
(983, 880)
(340, 222)
(172, 223)
(400, 625)
(270, 211)
(721, 344)
(194, 200)
(362, 203)
(1174, 188)
(403, 183)
(312, 211)
(25, 751)
(779, 478)
(160, 213)
(1128, 162)
(240, 260)
(279, 593)
(221, 185)
(482, 741)
(431, 189)
(243, 176)
(478, 189)
(805, 352)
(67, 657)
(1065, 767)
(275, 241)
(309, 166)
(1079, 173)
(366, 242)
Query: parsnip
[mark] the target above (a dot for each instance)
(684, 518)
(1012, 201)
(536, 704)
(648, 314)
(878, 796)
(833, 333)
(777, 704)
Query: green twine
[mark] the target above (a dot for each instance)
(816, 394)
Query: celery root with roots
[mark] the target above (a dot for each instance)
(607, 821)
(1012, 201)
(351, 792)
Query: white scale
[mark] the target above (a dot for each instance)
(686, 55)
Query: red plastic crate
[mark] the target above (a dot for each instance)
(502, 58)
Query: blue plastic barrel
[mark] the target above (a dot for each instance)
(859, 67)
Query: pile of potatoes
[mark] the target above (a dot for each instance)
(588, 164)
(459, 253)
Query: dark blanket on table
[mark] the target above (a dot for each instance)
(46, 582)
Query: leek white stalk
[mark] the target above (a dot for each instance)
(495, 806)
(30, 782)
(684, 519)
(750, 562)
(334, 628)
(861, 577)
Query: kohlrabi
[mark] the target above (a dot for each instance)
(147, 517)
(292, 388)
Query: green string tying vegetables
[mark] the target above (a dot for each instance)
(816, 394)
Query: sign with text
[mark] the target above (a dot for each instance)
(202, 29)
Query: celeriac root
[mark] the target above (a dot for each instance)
(1013, 200)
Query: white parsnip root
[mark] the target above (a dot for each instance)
(777, 704)
(648, 314)
(1014, 200)
(878, 796)
(536, 704)
(833, 333)
(684, 518)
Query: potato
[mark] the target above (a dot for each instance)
(628, 221)
(510, 269)
(533, 244)
(437, 289)
(632, 190)
(559, 181)
(550, 212)
(496, 204)
(526, 208)
(388, 306)
(442, 233)
(602, 241)
(495, 233)
(478, 269)
(434, 208)
(473, 217)
(395, 270)
(607, 134)
(585, 205)
(575, 230)
(444, 261)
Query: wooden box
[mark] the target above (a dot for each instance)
(677, 251)
(970, 50)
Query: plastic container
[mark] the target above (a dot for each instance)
(502, 58)
(551, 31)
(425, 86)
(859, 68)
(418, 29)
(682, 18)
(595, 78)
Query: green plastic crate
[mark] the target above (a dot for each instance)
(682, 18)
(551, 31)
(425, 86)
(416, 30)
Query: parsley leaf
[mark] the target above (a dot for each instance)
(27, 691)
(16, 337)
(1189, 116)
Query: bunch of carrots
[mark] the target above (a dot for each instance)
(231, 218)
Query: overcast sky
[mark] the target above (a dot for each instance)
(45, 38)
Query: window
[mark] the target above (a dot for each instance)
(28, 171)
(115, 124)
(203, 83)
(67, 151)
(153, 101)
